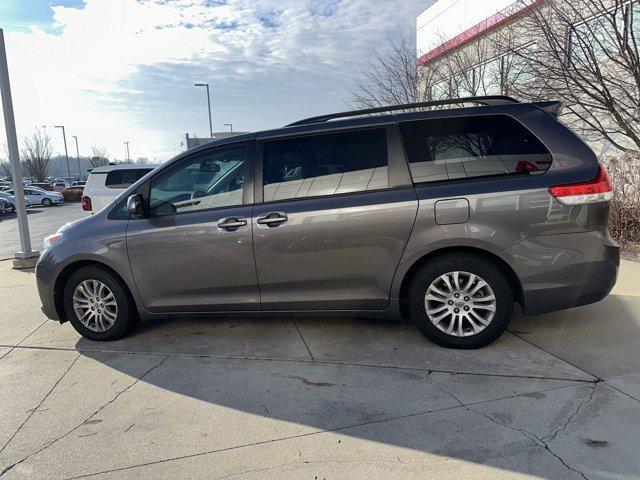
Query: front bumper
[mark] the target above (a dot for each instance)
(565, 270)
(45, 281)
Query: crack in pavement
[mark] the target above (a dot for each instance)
(540, 442)
(304, 435)
(304, 341)
(554, 355)
(38, 405)
(17, 345)
(103, 406)
(315, 361)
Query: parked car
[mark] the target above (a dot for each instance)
(5, 206)
(106, 183)
(38, 196)
(43, 186)
(78, 184)
(447, 216)
(11, 201)
(59, 184)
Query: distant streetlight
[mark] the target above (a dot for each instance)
(206, 85)
(78, 155)
(66, 153)
(230, 125)
(126, 145)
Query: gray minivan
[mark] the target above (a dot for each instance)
(447, 216)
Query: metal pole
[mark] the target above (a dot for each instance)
(206, 85)
(78, 156)
(126, 144)
(230, 125)
(66, 153)
(209, 106)
(14, 159)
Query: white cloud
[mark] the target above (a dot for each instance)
(120, 70)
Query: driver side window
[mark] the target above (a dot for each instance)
(208, 180)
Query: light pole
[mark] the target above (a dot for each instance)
(126, 145)
(26, 257)
(208, 105)
(230, 125)
(66, 153)
(78, 156)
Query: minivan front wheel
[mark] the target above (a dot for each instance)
(461, 301)
(97, 304)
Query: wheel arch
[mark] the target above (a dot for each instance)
(67, 271)
(509, 273)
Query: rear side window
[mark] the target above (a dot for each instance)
(469, 147)
(124, 178)
(325, 164)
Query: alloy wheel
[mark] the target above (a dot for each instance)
(95, 305)
(460, 304)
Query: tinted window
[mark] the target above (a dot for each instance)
(325, 164)
(208, 180)
(448, 149)
(124, 178)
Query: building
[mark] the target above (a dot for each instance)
(535, 50)
(455, 47)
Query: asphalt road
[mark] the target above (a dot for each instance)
(42, 222)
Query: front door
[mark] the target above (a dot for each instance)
(332, 227)
(194, 252)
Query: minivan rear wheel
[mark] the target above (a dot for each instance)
(460, 301)
(98, 305)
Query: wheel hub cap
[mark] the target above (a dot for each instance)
(460, 304)
(95, 305)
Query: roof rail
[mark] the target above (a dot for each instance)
(486, 100)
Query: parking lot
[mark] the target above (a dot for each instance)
(43, 221)
(556, 397)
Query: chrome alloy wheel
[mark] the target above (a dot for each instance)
(460, 304)
(95, 305)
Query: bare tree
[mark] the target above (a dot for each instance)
(5, 169)
(36, 155)
(99, 157)
(392, 77)
(587, 55)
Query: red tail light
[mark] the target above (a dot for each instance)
(86, 203)
(594, 191)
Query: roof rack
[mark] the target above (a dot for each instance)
(486, 100)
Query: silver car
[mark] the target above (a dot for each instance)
(447, 217)
(38, 196)
(10, 201)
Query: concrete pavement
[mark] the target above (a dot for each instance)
(556, 397)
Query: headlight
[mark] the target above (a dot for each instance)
(52, 240)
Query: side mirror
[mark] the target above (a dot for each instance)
(135, 204)
(209, 166)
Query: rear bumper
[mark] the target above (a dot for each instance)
(564, 271)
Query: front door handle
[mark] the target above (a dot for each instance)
(273, 219)
(232, 223)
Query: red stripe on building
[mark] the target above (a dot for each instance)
(481, 28)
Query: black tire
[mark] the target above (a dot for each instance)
(462, 262)
(12, 210)
(46, 202)
(127, 316)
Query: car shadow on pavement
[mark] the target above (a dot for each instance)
(14, 215)
(536, 426)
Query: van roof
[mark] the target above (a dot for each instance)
(123, 166)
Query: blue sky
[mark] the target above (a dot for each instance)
(116, 70)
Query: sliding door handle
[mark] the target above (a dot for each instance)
(273, 219)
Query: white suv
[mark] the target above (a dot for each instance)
(106, 183)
